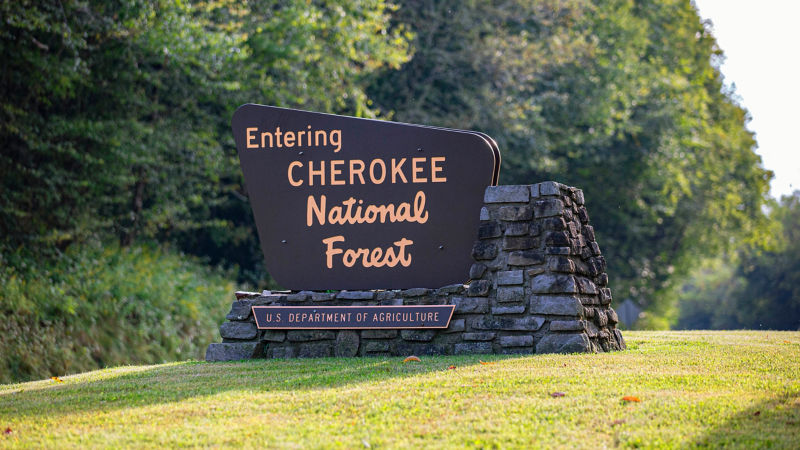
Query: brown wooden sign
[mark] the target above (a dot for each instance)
(352, 317)
(347, 203)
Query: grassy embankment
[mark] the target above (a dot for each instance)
(697, 389)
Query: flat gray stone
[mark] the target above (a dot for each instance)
(509, 277)
(613, 319)
(567, 325)
(549, 188)
(234, 351)
(525, 258)
(620, 340)
(520, 242)
(515, 213)
(421, 349)
(534, 272)
(518, 229)
(489, 230)
(476, 271)
(507, 194)
(452, 289)
(347, 342)
(535, 190)
(563, 343)
(310, 335)
(500, 310)
(484, 336)
(377, 346)
(456, 326)
(484, 214)
(379, 334)
(240, 310)
(510, 294)
(238, 330)
(605, 296)
(508, 324)
(563, 264)
(299, 297)
(471, 305)
(479, 288)
(484, 250)
(314, 351)
(416, 292)
(578, 196)
(471, 348)
(355, 295)
(553, 284)
(516, 341)
(273, 336)
(392, 302)
(322, 296)
(548, 208)
(586, 287)
(386, 295)
(418, 335)
(556, 306)
(559, 251)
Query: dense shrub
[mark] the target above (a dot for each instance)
(95, 307)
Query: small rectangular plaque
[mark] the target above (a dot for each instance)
(352, 317)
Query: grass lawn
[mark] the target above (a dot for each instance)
(697, 389)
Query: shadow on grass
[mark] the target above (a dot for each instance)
(139, 386)
(772, 423)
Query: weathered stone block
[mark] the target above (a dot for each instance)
(588, 232)
(385, 295)
(484, 250)
(515, 213)
(500, 310)
(534, 272)
(510, 294)
(560, 263)
(559, 251)
(595, 248)
(484, 214)
(555, 224)
(508, 324)
(309, 335)
(556, 306)
(517, 229)
(602, 279)
(586, 287)
(314, 351)
(613, 319)
(566, 325)
(573, 230)
(535, 190)
(516, 341)
(563, 343)
(456, 326)
(476, 271)
(600, 319)
(421, 349)
(484, 336)
(525, 258)
(605, 296)
(578, 196)
(620, 340)
(489, 230)
(238, 330)
(535, 230)
(548, 208)
(471, 305)
(377, 346)
(479, 288)
(234, 351)
(557, 239)
(509, 277)
(549, 188)
(378, 334)
(583, 215)
(452, 289)
(416, 292)
(392, 302)
(347, 342)
(520, 243)
(516, 351)
(273, 336)
(322, 296)
(507, 194)
(355, 295)
(466, 348)
(240, 310)
(553, 284)
(418, 335)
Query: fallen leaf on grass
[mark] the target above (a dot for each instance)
(786, 342)
(631, 398)
(757, 413)
(451, 368)
(485, 363)
(618, 422)
(57, 379)
(8, 432)
(411, 358)
(557, 394)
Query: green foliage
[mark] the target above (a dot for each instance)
(622, 99)
(98, 307)
(761, 290)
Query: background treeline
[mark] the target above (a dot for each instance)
(115, 138)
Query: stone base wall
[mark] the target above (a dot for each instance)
(538, 285)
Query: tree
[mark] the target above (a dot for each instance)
(623, 99)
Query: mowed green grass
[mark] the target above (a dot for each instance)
(697, 390)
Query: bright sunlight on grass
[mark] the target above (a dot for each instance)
(697, 389)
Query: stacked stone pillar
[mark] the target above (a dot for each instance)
(538, 285)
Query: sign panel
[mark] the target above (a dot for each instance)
(349, 203)
(352, 317)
